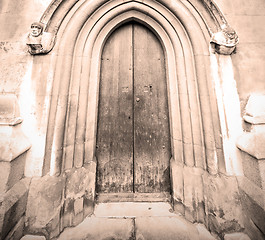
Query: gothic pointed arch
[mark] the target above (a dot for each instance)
(185, 30)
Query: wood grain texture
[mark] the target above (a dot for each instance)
(115, 132)
(151, 123)
(133, 139)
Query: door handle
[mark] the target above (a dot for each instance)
(137, 99)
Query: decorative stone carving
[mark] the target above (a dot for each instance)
(39, 41)
(224, 41)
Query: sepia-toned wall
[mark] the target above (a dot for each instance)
(19, 78)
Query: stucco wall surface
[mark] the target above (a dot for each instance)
(247, 18)
(16, 76)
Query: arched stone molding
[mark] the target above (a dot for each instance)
(199, 50)
(184, 30)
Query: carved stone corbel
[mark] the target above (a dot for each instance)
(224, 41)
(39, 41)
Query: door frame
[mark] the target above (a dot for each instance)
(164, 164)
(169, 45)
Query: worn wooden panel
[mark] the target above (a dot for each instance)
(133, 140)
(115, 118)
(151, 124)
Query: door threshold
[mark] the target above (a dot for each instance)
(133, 197)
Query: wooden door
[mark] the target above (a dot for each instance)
(133, 139)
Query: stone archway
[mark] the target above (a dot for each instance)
(195, 131)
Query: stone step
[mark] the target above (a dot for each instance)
(136, 221)
(133, 209)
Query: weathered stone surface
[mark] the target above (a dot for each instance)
(89, 204)
(11, 172)
(133, 209)
(204, 234)
(33, 237)
(45, 200)
(170, 228)
(141, 220)
(80, 182)
(253, 144)
(78, 205)
(251, 168)
(236, 236)
(17, 231)
(9, 109)
(223, 204)
(13, 142)
(253, 210)
(224, 41)
(68, 213)
(13, 206)
(100, 229)
(40, 42)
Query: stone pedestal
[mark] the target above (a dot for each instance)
(252, 184)
(13, 187)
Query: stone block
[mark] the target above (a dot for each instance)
(79, 181)
(170, 228)
(204, 234)
(253, 144)
(253, 210)
(251, 168)
(78, 205)
(100, 229)
(17, 231)
(13, 206)
(9, 109)
(236, 236)
(53, 227)
(68, 213)
(33, 237)
(223, 206)
(45, 200)
(256, 106)
(89, 204)
(11, 172)
(13, 142)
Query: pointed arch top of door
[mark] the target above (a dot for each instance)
(203, 16)
(183, 33)
(57, 10)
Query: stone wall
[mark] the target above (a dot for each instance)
(13, 185)
(72, 200)
(247, 18)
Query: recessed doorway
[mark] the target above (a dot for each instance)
(133, 138)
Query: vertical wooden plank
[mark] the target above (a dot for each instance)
(115, 120)
(151, 118)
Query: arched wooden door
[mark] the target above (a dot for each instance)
(133, 139)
